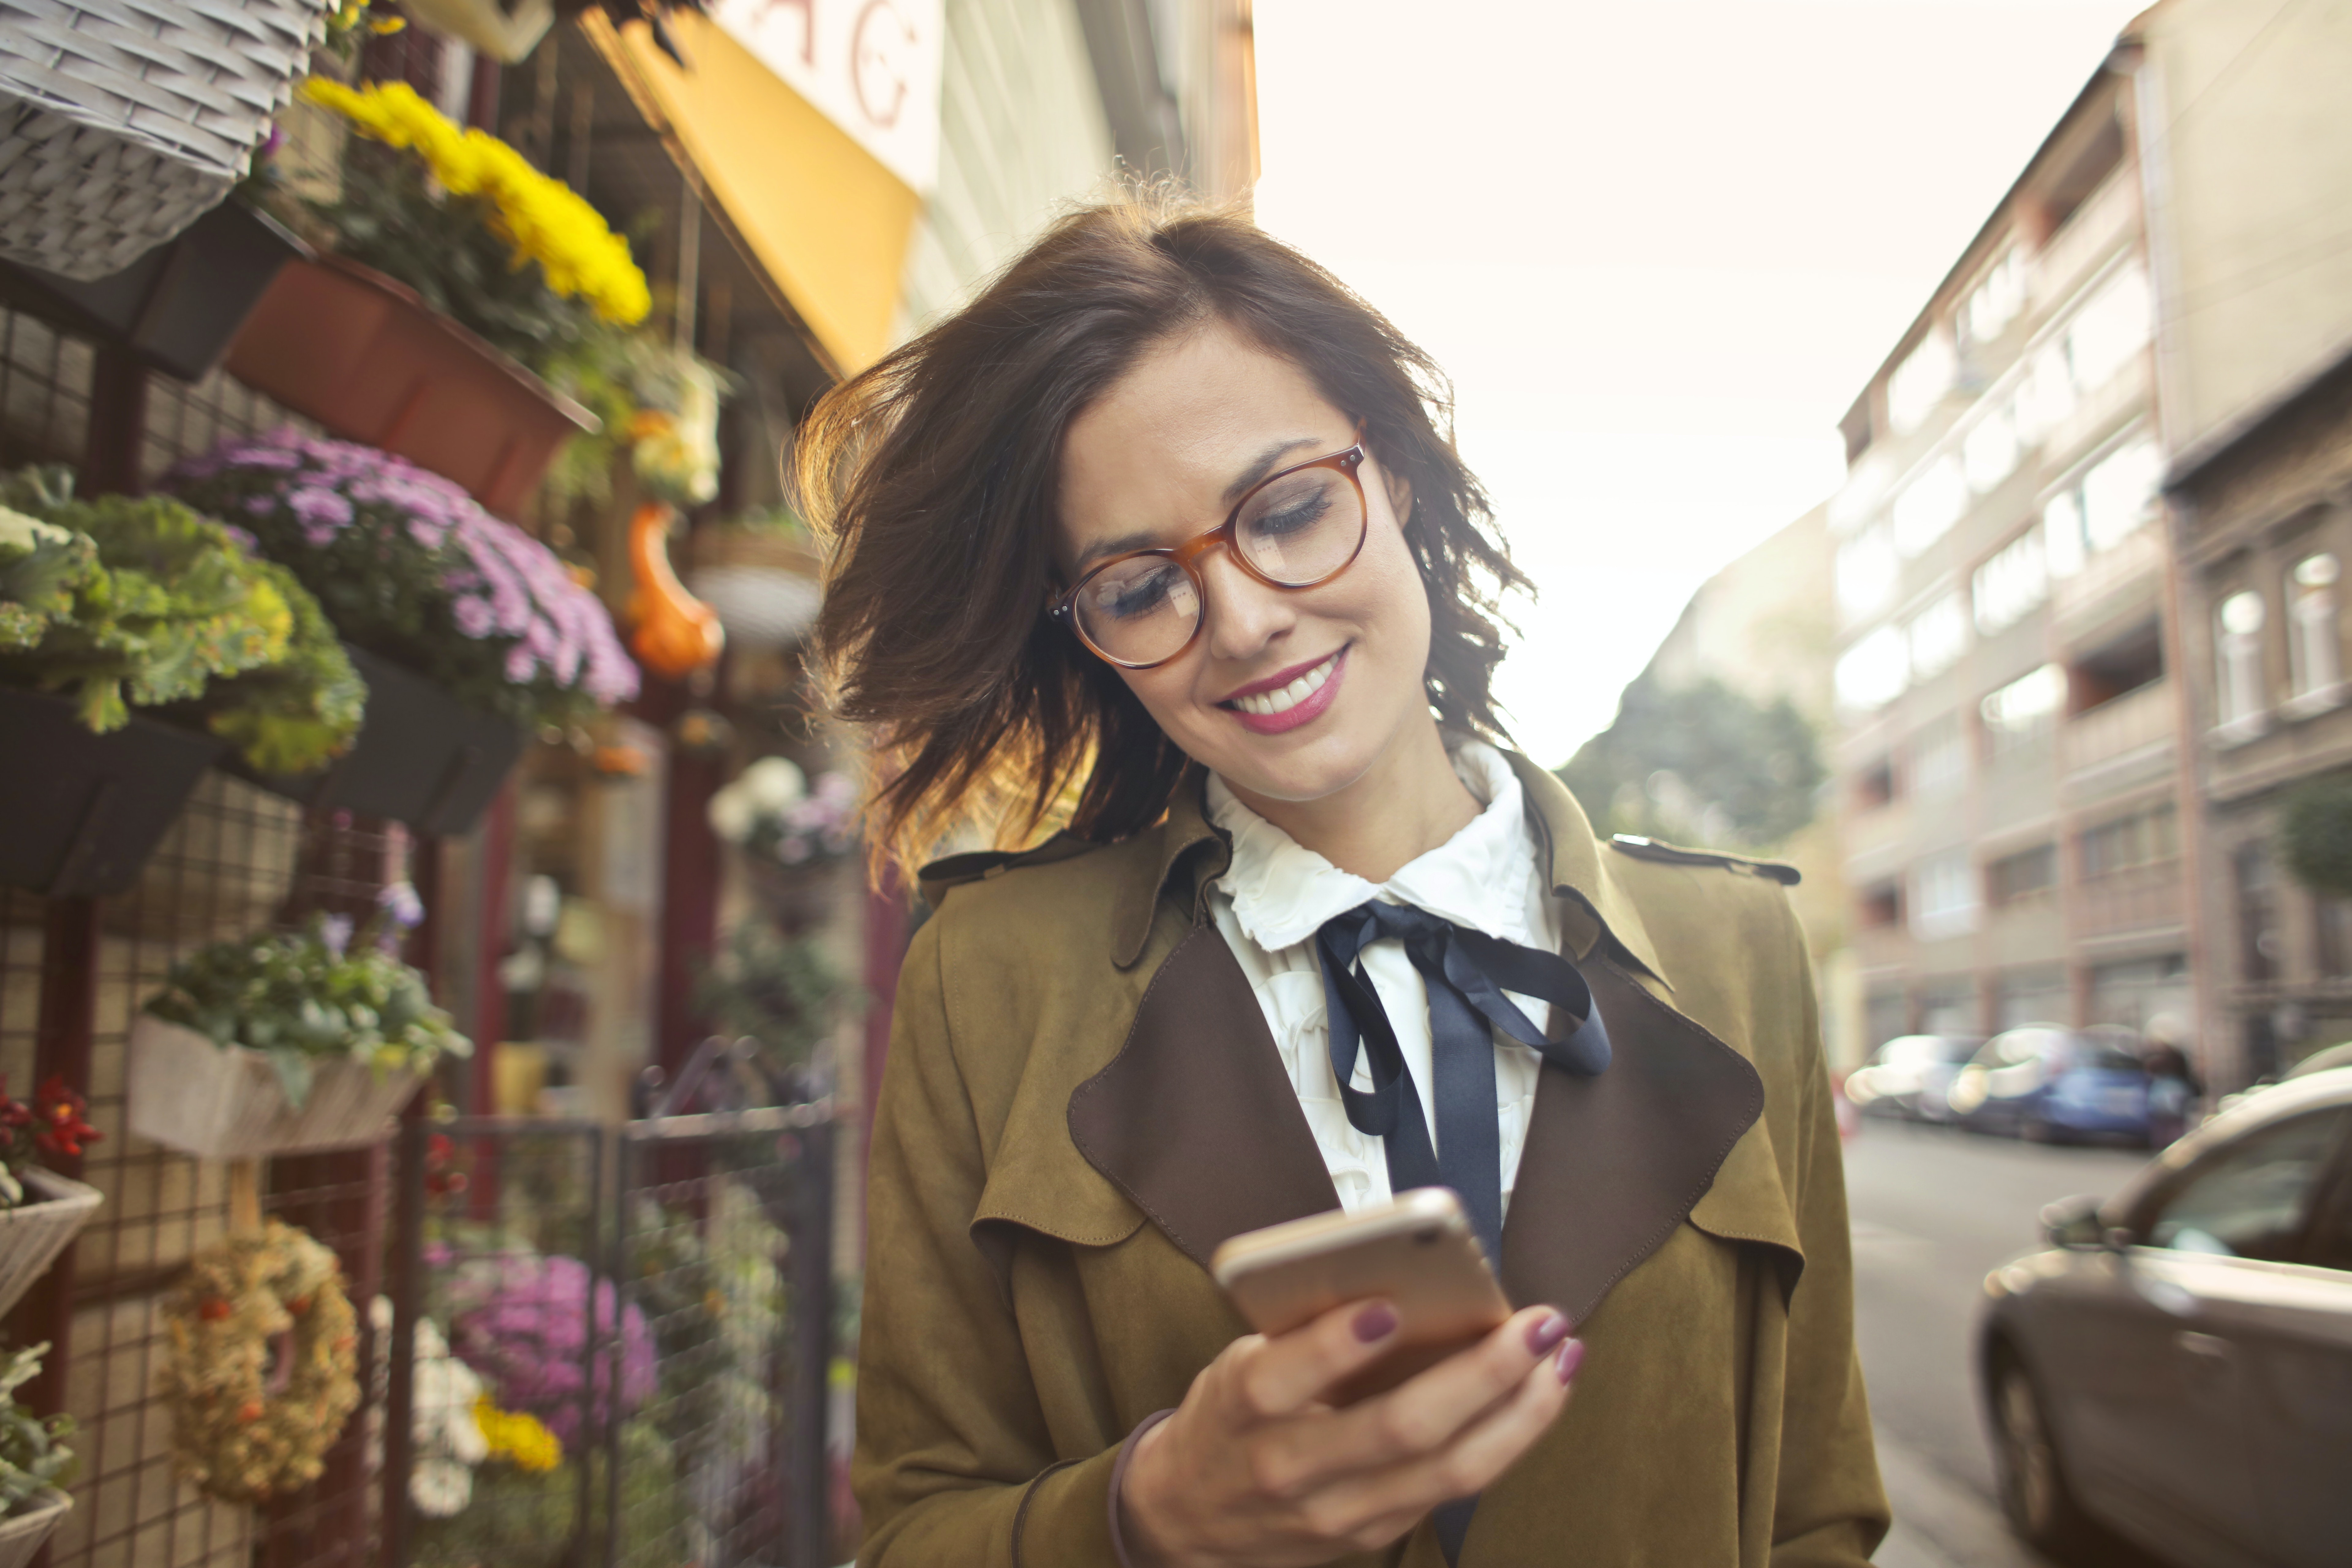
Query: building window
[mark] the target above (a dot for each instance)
(1920, 382)
(1989, 451)
(1939, 757)
(1928, 506)
(2128, 843)
(2238, 648)
(2121, 665)
(1937, 635)
(1867, 570)
(1943, 896)
(2021, 876)
(2109, 332)
(1874, 671)
(2119, 492)
(1996, 300)
(2259, 944)
(2024, 710)
(2313, 667)
(2335, 922)
(1882, 907)
(1874, 786)
(2011, 586)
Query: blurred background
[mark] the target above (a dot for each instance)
(1928, 424)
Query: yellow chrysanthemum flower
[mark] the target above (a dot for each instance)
(539, 218)
(514, 1436)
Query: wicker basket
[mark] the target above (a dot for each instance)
(187, 1093)
(23, 1534)
(123, 122)
(34, 1232)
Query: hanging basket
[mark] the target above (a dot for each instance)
(82, 821)
(123, 122)
(22, 1535)
(422, 758)
(34, 1232)
(364, 356)
(189, 1094)
(178, 306)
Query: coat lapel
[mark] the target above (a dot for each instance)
(1195, 1120)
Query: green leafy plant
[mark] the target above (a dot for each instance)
(121, 603)
(2314, 835)
(322, 991)
(779, 990)
(1701, 763)
(33, 1454)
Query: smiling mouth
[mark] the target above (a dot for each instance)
(1265, 704)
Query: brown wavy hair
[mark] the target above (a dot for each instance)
(932, 479)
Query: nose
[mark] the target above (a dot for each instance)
(1244, 614)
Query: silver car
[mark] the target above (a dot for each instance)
(2176, 1367)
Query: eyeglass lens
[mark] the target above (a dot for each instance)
(1295, 531)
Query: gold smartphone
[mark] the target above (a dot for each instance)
(1415, 1251)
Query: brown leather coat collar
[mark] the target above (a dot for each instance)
(1197, 1123)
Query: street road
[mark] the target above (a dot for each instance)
(1934, 1210)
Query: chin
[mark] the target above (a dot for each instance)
(1290, 768)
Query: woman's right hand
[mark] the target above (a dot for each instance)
(1255, 1470)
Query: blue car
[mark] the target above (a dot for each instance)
(2053, 1084)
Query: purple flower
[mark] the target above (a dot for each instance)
(520, 666)
(335, 930)
(521, 1322)
(401, 905)
(473, 617)
(314, 505)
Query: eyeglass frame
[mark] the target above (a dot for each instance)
(1346, 461)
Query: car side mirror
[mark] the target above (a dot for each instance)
(2073, 1224)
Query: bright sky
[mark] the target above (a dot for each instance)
(1660, 247)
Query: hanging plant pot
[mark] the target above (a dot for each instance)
(178, 306)
(80, 813)
(24, 1533)
(187, 1093)
(364, 356)
(422, 757)
(34, 1232)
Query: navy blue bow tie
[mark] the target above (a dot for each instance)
(1467, 972)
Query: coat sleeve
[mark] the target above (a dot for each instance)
(1830, 1511)
(953, 1465)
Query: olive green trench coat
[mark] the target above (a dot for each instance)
(1082, 1099)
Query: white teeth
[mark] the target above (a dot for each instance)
(1291, 696)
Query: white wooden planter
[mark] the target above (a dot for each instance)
(34, 1232)
(22, 1534)
(189, 1094)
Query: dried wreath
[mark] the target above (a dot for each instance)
(264, 1365)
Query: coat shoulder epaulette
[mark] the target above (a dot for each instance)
(940, 876)
(1675, 854)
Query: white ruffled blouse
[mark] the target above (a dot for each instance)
(1277, 893)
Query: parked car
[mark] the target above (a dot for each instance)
(1908, 1075)
(2055, 1084)
(2176, 1367)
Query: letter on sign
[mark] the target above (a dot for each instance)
(871, 67)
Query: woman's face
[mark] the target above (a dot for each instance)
(1289, 695)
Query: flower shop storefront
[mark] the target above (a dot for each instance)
(370, 865)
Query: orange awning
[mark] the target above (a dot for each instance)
(818, 213)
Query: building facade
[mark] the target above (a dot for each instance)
(2009, 783)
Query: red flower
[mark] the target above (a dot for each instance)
(60, 1109)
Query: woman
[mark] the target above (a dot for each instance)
(1283, 959)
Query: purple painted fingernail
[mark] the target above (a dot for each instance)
(1570, 1357)
(1545, 1332)
(1377, 1321)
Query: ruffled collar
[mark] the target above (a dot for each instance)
(1282, 891)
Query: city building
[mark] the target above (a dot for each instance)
(2009, 785)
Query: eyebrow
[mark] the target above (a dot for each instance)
(1260, 467)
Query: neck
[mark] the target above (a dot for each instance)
(1406, 804)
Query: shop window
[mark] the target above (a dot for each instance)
(2313, 658)
(1943, 896)
(2013, 584)
(1874, 786)
(2120, 667)
(2024, 996)
(2027, 874)
(1949, 1008)
(1939, 756)
(2260, 944)
(2237, 651)
(2023, 711)
(1882, 907)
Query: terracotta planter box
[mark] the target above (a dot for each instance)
(421, 757)
(82, 821)
(36, 1231)
(366, 358)
(189, 1094)
(178, 306)
(23, 1534)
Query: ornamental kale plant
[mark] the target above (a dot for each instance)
(120, 603)
(321, 992)
(409, 567)
(33, 1457)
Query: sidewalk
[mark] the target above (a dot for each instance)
(1940, 1522)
